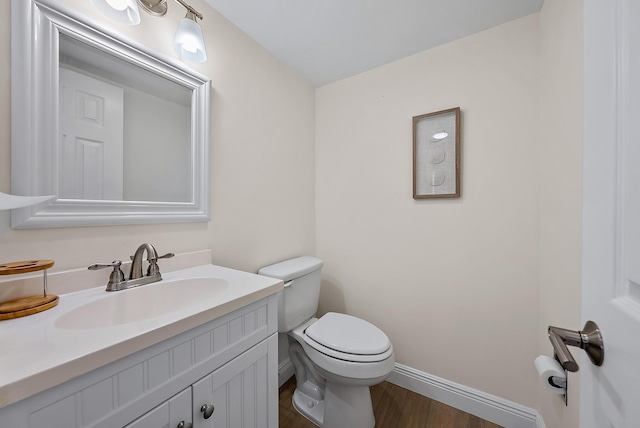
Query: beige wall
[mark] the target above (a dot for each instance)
(560, 188)
(453, 282)
(262, 157)
(461, 286)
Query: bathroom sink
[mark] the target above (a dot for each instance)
(90, 327)
(142, 303)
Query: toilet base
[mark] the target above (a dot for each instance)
(308, 407)
(347, 406)
(343, 406)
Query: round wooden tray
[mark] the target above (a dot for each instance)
(27, 266)
(30, 305)
(24, 306)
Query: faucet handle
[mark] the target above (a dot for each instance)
(116, 277)
(166, 256)
(114, 264)
(153, 268)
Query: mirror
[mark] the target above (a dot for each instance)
(119, 127)
(118, 134)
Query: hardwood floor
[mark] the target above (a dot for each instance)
(394, 407)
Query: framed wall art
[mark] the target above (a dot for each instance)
(436, 154)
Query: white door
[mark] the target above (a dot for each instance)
(91, 138)
(610, 394)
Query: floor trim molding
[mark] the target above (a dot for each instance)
(540, 422)
(486, 406)
(285, 371)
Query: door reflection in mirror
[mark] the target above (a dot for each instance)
(125, 133)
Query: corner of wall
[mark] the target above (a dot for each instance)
(561, 68)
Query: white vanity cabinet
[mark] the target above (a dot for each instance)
(169, 414)
(230, 362)
(238, 393)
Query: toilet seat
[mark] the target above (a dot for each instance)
(335, 365)
(348, 338)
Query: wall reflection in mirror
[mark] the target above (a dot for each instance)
(125, 133)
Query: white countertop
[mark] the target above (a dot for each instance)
(79, 335)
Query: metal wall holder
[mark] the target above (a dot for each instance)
(561, 383)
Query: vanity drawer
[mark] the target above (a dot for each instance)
(168, 414)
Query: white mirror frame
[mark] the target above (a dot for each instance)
(36, 25)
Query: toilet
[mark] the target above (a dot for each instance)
(336, 357)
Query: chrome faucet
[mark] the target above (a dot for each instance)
(136, 261)
(117, 280)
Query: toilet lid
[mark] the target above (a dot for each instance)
(347, 334)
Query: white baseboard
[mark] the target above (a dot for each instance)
(540, 422)
(285, 371)
(486, 406)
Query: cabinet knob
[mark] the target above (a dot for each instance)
(207, 410)
(182, 424)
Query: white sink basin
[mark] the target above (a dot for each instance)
(141, 303)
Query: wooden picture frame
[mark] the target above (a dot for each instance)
(436, 154)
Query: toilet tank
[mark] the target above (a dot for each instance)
(299, 300)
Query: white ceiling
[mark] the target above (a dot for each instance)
(328, 40)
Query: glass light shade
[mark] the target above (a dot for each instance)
(122, 11)
(188, 42)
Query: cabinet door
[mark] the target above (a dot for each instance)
(243, 392)
(168, 414)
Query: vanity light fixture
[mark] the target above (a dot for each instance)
(122, 11)
(154, 7)
(188, 42)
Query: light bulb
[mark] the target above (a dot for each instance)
(123, 11)
(118, 4)
(440, 135)
(190, 45)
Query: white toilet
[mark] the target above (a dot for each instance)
(336, 358)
